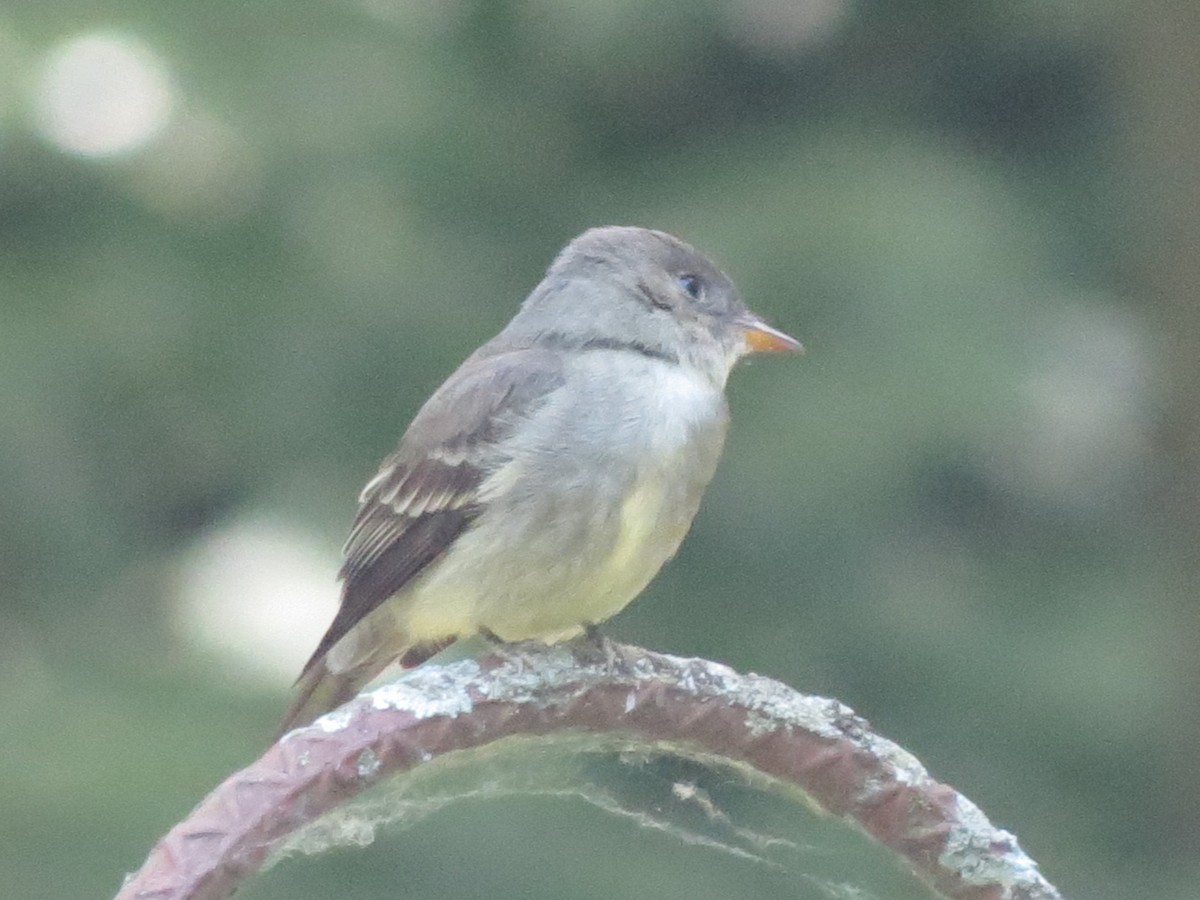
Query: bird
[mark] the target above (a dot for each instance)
(545, 483)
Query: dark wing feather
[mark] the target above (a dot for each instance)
(426, 493)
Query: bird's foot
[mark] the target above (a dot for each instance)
(607, 651)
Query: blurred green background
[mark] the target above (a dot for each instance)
(240, 243)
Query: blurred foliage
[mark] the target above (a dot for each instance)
(954, 513)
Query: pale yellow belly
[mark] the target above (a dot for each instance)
(550, 592)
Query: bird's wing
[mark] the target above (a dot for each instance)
(426, 492)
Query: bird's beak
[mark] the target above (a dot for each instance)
(762, 338)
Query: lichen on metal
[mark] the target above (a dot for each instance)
(747, 729)
(332, 721)
(985, 855)
(368, 764)
(776, 701)
(429, 692)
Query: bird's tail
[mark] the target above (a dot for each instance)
(318, 691)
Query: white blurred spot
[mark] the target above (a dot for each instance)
(260, 595)
(780, 27)
(1086, 432)
(102, 95)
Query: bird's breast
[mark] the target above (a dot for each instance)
(683, 409)
(596, 493)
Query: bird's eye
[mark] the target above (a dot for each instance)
(692, 285)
